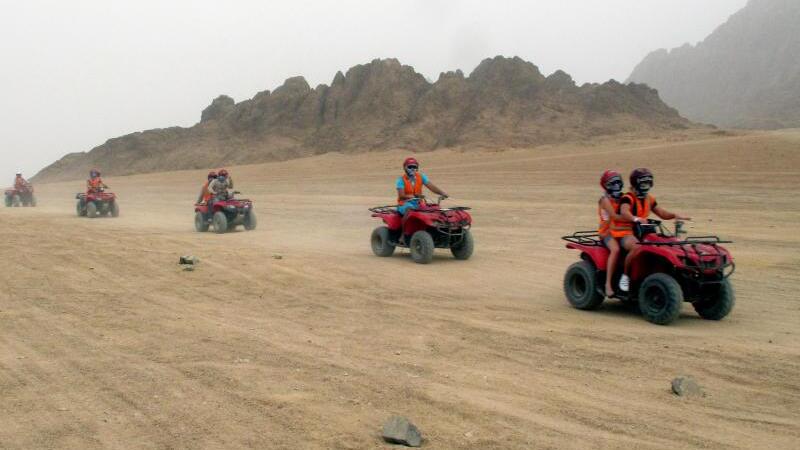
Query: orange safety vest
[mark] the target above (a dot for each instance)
(604, 219)
(94, 183)
(206, 193)
(408, 189)
(639, 208)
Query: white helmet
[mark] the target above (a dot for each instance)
(19, 171)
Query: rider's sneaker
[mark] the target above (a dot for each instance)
(624, 283)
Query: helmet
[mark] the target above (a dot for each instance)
(641, 181)
(611, 181)
(19, 172)
(94, 173)
(222, 172)
(410, 162)
(212, 175)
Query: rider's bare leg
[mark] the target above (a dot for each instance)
(613, 255)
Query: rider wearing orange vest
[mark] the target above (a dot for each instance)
(20, 183)
(409, 187)
(635, 206)
(608, 211)
(95, 183)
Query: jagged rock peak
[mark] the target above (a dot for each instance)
(218, 108)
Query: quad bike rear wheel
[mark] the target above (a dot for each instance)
(91, 210)
(33, 201)
(8, 201)
(421, 247)
(16, 201)
(719, 305)
(380, 242)
(463, 250)
(114, 209)
(200, 222)
(580, 286)
(250, 220)
(220, 221)
(79, 209)
(660, 299)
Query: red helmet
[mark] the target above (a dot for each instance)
(607, 176)
(641, 180)
(222, 172)
(611, 182)
(410, 162)
(212, 174)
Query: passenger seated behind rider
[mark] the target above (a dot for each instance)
(635, 207)
(218, 189)
(205, 194)
(409, 187)
(95, 183)
(607, 210)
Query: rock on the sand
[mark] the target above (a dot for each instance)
(189, 259)
(399, 430)
(686, 387)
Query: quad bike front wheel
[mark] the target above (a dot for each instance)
(8, 201)
(380, 242)
(220, 221)
(580, 286)
(660, 299)
(250, 221)
(79, 209)
(91, 210)
(463, 250)
(421, 247)
(114, 209)
(719, 305)
(33, 201)
(200, 222)
(16, 201)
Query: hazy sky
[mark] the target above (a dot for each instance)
(75, 73)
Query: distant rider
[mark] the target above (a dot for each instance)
(608, 210)
(20, 184)
(218, 189)
(409, 187)
(635, 207)
(95, 184)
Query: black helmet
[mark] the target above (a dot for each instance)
(641, 181)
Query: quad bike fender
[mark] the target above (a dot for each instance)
(596, 254)
(647, 260)
(414, 223)
(392, 221)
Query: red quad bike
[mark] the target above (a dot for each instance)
(665, 271)
(20, 197)
(226, 216)
(422, 230)
(97, 203)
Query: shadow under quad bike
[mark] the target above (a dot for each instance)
(423, 229)
(666, 270)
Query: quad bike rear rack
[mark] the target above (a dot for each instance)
(388, 209)
(587, 238)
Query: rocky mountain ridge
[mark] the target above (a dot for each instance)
(745, 74)
(504, 102)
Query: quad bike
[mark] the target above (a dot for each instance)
(666, 270)
(422, 230)
(97, 203)
(227, 214)
(20, 197)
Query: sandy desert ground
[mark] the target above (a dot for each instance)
(106, 343)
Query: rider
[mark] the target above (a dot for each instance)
(409, 187)
(635, 207)
(205, 194)
(608, 210)
(95, 183)
(20, 184)
(218, 189)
